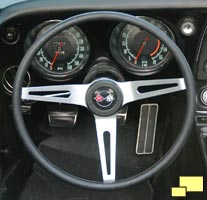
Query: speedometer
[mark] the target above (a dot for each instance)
(64, 55)
(138, 51)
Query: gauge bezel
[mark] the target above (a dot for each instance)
(128, 66)
(51, 75)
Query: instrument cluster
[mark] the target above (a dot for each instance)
(132, 48)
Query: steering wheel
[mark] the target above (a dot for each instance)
(121, 93)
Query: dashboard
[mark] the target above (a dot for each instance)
(75, 54)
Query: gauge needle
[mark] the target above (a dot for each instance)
(141, 49)
(56, 55)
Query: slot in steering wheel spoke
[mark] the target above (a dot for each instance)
(107, 125)
(136, 90)
(68, 94)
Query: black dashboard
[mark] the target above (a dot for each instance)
(100, 40)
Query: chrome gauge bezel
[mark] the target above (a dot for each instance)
(128, 66)
(54, 75)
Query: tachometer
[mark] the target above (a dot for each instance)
(138, 51)
(63, 56)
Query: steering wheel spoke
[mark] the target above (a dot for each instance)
(107, 125)
(68, 94)
(137, 90)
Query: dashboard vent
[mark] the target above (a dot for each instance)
(8, 79)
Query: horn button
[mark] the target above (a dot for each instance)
(104, 98)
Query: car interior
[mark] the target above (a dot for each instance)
(103, 99)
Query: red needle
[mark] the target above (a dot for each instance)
(141, 49)
(56, 55)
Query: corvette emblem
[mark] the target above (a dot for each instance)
(104, 98)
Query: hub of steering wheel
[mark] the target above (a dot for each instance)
(103, 98)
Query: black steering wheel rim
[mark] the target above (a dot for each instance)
(160, 165)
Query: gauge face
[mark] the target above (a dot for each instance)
(139, 51)
(64, 55)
